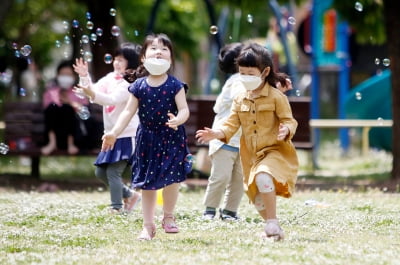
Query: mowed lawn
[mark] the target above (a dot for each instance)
(321, 227)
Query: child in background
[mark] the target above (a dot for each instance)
(226, 171)
(161, 153)
(269, 159)
(111, 91)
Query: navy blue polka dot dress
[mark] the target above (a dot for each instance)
(161, 154)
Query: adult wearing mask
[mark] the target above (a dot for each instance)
(61, 105)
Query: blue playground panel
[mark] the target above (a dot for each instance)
(375, 102)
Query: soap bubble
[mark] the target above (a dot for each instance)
(108, 59)
(358, 96)
(93, 37)
(250, 18)
(213, 29)
(84, 113)
(89, 25)
(291, 20)
(377, 61)
(85, 39)
(4, 148)
(26, 50)
(75, 23)
(358, 6)
(386, 62)
(99, 32)
(88, 56)
(115, 31)
(88, 16)
(113, 12)
(22, 92)
(67, 39)
(65, 25)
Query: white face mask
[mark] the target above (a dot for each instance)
(250, 82)
(65, 81)
(156, 66)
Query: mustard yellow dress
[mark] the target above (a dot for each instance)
(260, 151)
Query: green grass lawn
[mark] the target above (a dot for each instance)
(322, 227)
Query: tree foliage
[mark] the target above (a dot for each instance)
(366, 17)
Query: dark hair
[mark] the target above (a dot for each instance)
(255, 55)
(64, 64)
(227, 57)
(161, 37)
(131, 52)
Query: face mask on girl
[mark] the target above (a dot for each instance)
(65, 81)
(250, 82)
(156, 66)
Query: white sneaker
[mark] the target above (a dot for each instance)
(273, 230)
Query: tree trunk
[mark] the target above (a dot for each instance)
(392, 24)
(107, 43)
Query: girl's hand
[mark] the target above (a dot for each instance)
(108, 142)
(283, 132)
(81, 67)
(206, 135)
(87, 91)
(172, 122)
(288, 86)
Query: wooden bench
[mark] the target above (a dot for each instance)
(24, 127)
(24, 130)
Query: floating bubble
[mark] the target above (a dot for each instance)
(65, 25)
(22, 92)
(26, 50)
(380, 121)
(14, 45)
(67, 39)
(88, 16)
(291, 20)
(75, 23)
(85, 39)
(99, 32)
(358, 96)
(108, 59)
(115, 31)
(250, 18)
(66, 54)
(58, 44)
(358, 6)
(113, 12)
(213, 29)
(4, 148)
(386, 62)
(88, 56)
(17, 54)
(136, 32)
(89, 25)
(377, 61)
(298, 92)
(93, 37)
(84, 113)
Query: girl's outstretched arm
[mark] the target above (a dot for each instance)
(183, 111)
(124, 118)
(206, 135)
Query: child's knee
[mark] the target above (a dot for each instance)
(264, 183)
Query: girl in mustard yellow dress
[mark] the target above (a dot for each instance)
(268, 157)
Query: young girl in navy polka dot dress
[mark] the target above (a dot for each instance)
(161, 154)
